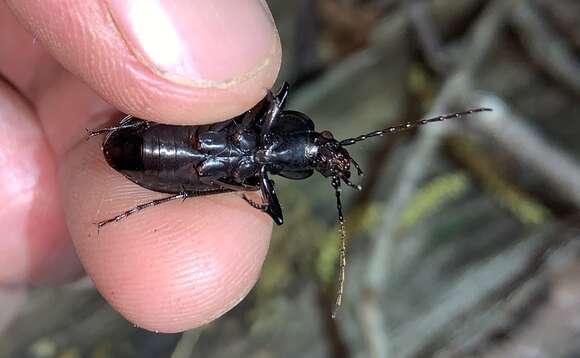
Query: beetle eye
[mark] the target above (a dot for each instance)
(327, 135)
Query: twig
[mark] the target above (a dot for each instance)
(427, 34)
(546, 47)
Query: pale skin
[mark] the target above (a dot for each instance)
(169, 268)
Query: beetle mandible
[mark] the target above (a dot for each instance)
(238, 155)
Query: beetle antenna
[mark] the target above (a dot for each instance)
(358, 168)
(351, 184)
(342, 263)
(411, 125)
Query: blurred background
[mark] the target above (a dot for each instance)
(464, 240)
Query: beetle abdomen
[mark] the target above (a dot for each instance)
(160, 157)
(124, 151)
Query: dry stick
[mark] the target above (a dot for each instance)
(545, 46)
(371, 316)
(427, 35)
(186, 345)
(511, 132)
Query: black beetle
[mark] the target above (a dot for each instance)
(237, 155)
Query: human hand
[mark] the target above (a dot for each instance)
(169, 268)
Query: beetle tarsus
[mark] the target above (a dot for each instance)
(269, 194)
(138, 208)
(255, 205)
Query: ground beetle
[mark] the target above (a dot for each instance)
(237, 155)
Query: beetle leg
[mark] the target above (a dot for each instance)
(283, 94)
(277, 102)
(210, 181)
(272, 204)
(138, 208)
(234, 187)
(96, 132)
(247, 122)
(253, 204)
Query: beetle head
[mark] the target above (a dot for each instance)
(332, 160)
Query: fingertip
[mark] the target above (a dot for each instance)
(168, 268)
(191, 62)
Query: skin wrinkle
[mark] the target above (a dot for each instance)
(86, 69)
(233, 303)
(237, 274)
(168, 310)
(199, 274)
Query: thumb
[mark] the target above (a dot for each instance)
(181, 61)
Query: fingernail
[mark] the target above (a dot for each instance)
(206, 43)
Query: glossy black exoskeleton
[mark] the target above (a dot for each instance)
(238, 154)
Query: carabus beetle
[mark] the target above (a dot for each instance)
(238, 154)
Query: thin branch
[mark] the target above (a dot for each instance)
(484, 37)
